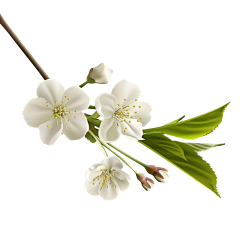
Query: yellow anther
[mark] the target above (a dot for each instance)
(46, 102)
(75, 111)
(68, 120)
(140, 117)
(128, 106)
(106, 186)
(55, 101)
(113, 174)
(47, 125)
(99, 183)
(114, 187)
(65, 96)
(121, 120)
(62, 133)
(63, 116)
(131, 116)
(47, 105)
(70, 112)
(130, 121)
(135, 99)
(93, 179)
(52, 116)
(114, 122)
(64, 110)
(139, 106)
(135, 112)
(66, 106)
(93, 184)
(118, 104)
(60, 122)
(75, 117)
(55, 117)
(137, 120)
(134, 106)
(68, 99)
(62, 101)
(56, 123)
(60, 106)
(124, 130)
(125, 99)
(125, 120)
(67, 130)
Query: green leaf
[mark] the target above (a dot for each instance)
(165, 143)
(195, 166)
(203, 146)
(94, 130)
(195, 127)
(171, 122)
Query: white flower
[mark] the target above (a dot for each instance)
(162, 176)
(101, 74)
(106, 178)
(56, 111)
(122, 113)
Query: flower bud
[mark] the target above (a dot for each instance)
(159, 173)
(147, 183)
(100, 74)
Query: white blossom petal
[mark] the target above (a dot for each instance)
(122, 180)
(51, 90)
(125, 90)
(109, 192)
(105, 105)
(165, 176)
(109, 131)
(141, 111)
(49, 131)
(92, 188)
(112, 163)
(77, 126)
(92, 174)
(36, 112)
(78, 99)
(132, 130)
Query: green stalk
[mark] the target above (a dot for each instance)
(98, 141)
(83, 84)
(134, 159)
(95, 115)
(106, 146)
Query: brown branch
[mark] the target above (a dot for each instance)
(25, 51)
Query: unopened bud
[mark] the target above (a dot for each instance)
(160, 174)
(147, 183)
(100, 74)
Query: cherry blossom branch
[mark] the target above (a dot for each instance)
(23, 48)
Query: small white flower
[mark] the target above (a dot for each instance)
(106, 178)
(122, 112)
(101, 74)
(56, 111)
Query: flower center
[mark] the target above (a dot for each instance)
(104, 179)
(59, 112)
(122, 114)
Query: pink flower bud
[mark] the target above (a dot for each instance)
(159, 173)
(147, 183)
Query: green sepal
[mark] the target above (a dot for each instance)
(95, 121)
(94, 130)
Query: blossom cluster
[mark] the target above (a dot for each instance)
(57, 111)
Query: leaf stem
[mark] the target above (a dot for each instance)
(23, 48)
(98, 141)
